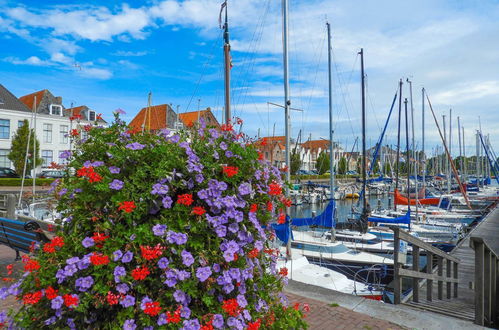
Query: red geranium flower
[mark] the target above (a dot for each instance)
(269, 206)
(48, 248)
(32, 298)
(283, 271)
(112, 299)
(260, 156)
(152, 308)
(51, 293)
(9, 269)
(99, 259)
(74, 132)
(175, 317)
(140, 273)
(99, 239)
(58, 241)
(275, 189)
(127, 206)
(31, 265)
(150, 253)
(185, 199)
(198, 210)
(281, 219)
(254, 325)
(231, 307)
(253, 253)
(253, 208)
(71, 300)
(263, 143)
(230, 171)
(226, 127)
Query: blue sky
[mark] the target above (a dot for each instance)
(111, 54)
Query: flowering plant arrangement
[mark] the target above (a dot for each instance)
(160, 230)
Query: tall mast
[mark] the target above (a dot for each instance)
(407, 162)
(398, 143)
(464, 156)
(449, 182)
(287, 101)
(227, 66)
(330, 80)
(364, 163)
(413, 152)
(444, 162)
(459, 138)
(423, 160)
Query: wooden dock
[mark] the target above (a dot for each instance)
(463, 307)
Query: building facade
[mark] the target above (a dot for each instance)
(51, 121)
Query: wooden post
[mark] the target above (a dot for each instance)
(487, 296)
(479, 283)
(415, 267)
(429, 270)
(456, 265)
(11, 201)
(449, 275)
(397, 286)
(493, 289)
(440, 263)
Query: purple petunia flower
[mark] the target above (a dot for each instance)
(117, 255)
(159, 230)
(183, 275)
(129, 324)
(185, 312)
(221, 231)
(241, 300)
(223, 145)
(88, 242)
(119, 271)
(187, 258)
(127, 257)
(135, 146)
(122, 288)
(127, 301)
(62, 192)
(191, 324)
(84, 283)
(177, 238)
(167, 202)
(202, 273)
(116, 184)
(180, 297)
(163, 263)
(50, 320)
(65, 154)
(159, 189)
(57, 302)
(162, 319)
(71, 323)
(244, 189)
(218, 321)
(114, 169)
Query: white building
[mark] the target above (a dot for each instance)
(53, 123)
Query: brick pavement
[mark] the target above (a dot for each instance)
(323, 316)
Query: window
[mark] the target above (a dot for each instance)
(47, 157)
(4, 128)
(91, 115)
(20, 123)
(63, 131)
(47, 133)
(56, 109)
(1, 101)
(63, 160)
(4, 160)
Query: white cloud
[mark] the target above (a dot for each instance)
(32, 60)
(128, 53)
(467, 92)
(95, 73)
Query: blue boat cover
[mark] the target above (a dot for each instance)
(406, 219)
(283, 231)
(325, 219)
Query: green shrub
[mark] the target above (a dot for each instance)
(13, 182)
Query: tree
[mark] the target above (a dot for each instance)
(342, 166)
(18, 149)
(322, 164)
(295, 162)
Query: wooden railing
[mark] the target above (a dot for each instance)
(432, 254)
(486, 283)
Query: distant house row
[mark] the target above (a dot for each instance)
(53, 125)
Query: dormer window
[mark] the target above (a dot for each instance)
(56, 110)
(91, 115)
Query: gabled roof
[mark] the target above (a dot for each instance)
(75, 111)
(29, 99)
(156, 118)
(190, 118)
(316, 144)
(9, 101)
(272, 139)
